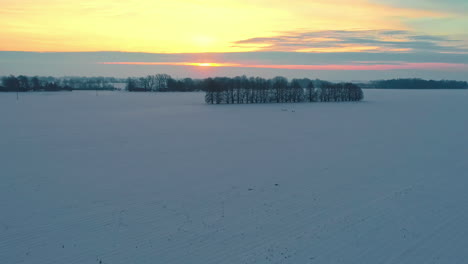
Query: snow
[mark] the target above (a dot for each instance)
(164, 178)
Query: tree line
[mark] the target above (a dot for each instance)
(243, 90)
(416, 84)
(24, 83)
(260, 89)
(162, 83)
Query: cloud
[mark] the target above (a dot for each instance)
(454, 6)
(358, 40)
(356, 66)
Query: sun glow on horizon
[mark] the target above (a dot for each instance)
(196, 64)
(213, 64)
(207, 64)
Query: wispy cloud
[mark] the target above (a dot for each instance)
(453, 6)
(351, 41)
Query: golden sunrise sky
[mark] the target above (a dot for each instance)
(186, 26)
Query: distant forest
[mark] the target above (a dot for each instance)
(23, 83)
(415, 84)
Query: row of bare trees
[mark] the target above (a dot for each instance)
(417, 84)
(150, 83)
(24, 83)
(242, 90)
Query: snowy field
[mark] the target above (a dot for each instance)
(163, 178)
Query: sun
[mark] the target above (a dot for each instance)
(209, 64)
(206, 64)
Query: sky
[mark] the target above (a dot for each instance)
(332, 39)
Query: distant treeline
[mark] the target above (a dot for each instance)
(162, 83)
(415, 84)
(243, 90)
(23, 83)
(254, 89)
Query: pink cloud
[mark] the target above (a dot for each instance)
(342, 67)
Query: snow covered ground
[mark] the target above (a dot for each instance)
(164, 178)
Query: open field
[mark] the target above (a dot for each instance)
(142, 178)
